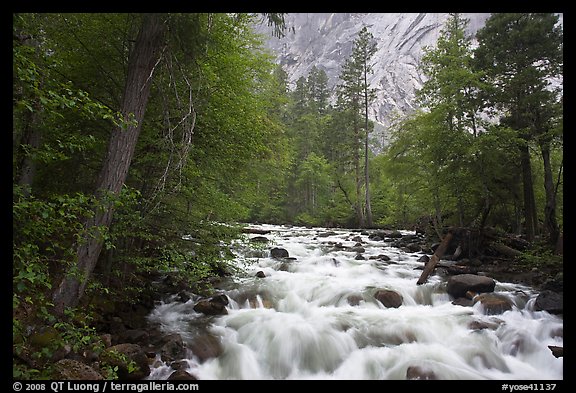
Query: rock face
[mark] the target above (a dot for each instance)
(458, 285)
(325, 40)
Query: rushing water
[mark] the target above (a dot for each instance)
(316, 317)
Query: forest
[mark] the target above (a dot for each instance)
(134, 133)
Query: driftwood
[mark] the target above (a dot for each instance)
(435, 258)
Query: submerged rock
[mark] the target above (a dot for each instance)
(417, 372)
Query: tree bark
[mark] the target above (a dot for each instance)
(530, 216)
(369, 222)
(32, 139)
(142, 61)
(358, 178)
(550, 223)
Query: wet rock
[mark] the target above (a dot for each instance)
(395, 235)
(354, 300)
(388, 298)
(216, 305)
(181, 375)
(327, 234)
(462, 301)
(179, 365)
(359, 257)
(458, 285)
(124, 356)
(480, 325)
(553, 302)
(206, 346)
(414, 247)
(416, 372)
(424, 258)
(357, 239)
(68, 369)
(357, 249)
(259, 239)
(277, 253)
(173, 348)
(260, 274)
(558, 352)
(183, 296)
(493, 304)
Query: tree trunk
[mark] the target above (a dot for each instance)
(530, 219)
(32, 139)
(358, 178)
(550, 223)
(435, 259)
(369, 222)
(142, 62)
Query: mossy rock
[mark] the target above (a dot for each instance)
(45, 337)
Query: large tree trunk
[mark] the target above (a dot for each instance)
(358, 178)
(530, 216)
(369, 222)
(142, 62)
(550, 223)
(32, 139)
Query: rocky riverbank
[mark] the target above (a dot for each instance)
(133, 345)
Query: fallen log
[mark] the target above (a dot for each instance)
(435, 258)
(505, 250)
(255, 231)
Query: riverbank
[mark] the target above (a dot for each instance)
(135, 346)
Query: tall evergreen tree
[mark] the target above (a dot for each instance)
(355, 95)
(521, 53)
(451, 91)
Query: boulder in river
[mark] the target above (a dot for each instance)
(388, 298)
(216, 305)
(206, 346)
(553, 302)
(416, 372)
(493, 304)
(181, 375)
(278, 253)
(460, 284)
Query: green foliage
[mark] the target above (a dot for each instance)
(541, 257)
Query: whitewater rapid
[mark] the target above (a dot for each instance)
(314, 316)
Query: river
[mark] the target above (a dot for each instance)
(314, 316)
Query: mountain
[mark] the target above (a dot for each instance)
(325, 40)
